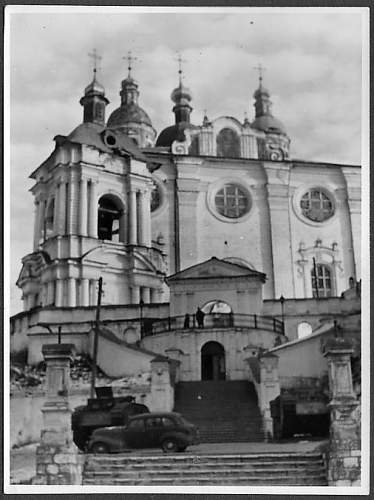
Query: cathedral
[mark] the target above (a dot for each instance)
(212, 242)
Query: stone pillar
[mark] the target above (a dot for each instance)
(72, 299)
(260, 198)
(51, 292)
(85, 292)
(344, 463)
(269, 389)
(145, 220)
(133, 231)
(135, 294)
(72, 225)
(83, 207)
(146, 294)
(279, 195)
(62, 208)
(59, 293)
(162, 391)
(188, 193)
(36, 224)
(93, 207)
(57, 458)
(342, 207)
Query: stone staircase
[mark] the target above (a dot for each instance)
(261, 469)
(224, 411)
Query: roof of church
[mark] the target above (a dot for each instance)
(216, 268)
(90, 134)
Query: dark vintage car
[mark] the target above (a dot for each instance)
(103, 411)
(170, 431)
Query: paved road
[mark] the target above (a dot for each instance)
(22, 460)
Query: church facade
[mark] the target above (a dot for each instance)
(117, 200)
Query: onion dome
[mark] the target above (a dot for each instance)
(129, 111)
(94, 102)
(182, 97)
(264, 119)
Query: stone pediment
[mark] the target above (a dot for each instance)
(216, 268)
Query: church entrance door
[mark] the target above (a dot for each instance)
(213, 361)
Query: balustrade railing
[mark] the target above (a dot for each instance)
(151, 326)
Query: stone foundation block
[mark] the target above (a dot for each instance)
(54, 438)
(52, 469)
(65, 458)
(41, 469)
(350, 462)
(39, 479)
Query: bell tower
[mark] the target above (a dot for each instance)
(92, 218)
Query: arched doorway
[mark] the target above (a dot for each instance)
(213, 361)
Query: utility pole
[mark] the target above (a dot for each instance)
(96, 337)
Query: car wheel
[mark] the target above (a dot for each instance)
(169, 445)
(100, 448)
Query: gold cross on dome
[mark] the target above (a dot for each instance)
(130, 59)
(260, 70)
(96, 58)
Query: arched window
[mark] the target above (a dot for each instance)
(228, 143)
(155, 197)
(322, 283)
(304, 329)
(49, 219)
(109, 215)
(216, 307)
(99, 111)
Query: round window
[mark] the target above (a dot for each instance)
(316, 205)
(232, 201)
(155, 197)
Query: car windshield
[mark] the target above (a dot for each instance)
(183, 421)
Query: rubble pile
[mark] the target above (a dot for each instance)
(27, 378)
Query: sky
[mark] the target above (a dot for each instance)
(313, 61)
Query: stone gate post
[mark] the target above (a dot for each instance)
(57, 458)
(344, 464)
(269, 389)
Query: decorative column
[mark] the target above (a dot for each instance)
(269, 389)
(41, 215)
(188, 192)
(83, 207)
(50, 292)
(279, 196)
(346, 232)
(59, 302)
(135, 294)
(62, 189)
(92, 216)
(133, 231)
(36, 224)
(145, 219)
(57, 458)
(72, 225)
(344, 464)
(72, 293)
(85, 292)
(260, 198)
(146, 294)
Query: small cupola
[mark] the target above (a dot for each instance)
(94, 100)
(130, 118)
